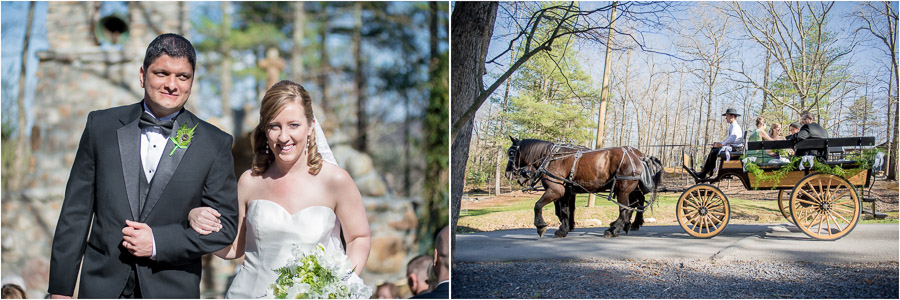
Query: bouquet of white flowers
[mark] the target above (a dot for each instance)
(313, 273)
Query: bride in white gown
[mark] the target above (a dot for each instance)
(289, 196)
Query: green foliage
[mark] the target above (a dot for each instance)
(555, 97)
(8, 150)
(862, 160)
(773, 176)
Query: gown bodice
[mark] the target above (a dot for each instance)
(271, 235)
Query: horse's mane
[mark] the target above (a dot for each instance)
(533, 150)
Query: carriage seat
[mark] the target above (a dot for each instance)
(823, 146)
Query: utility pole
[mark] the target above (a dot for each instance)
(604, 90)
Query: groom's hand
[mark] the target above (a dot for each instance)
(55, 296)
(138, 238)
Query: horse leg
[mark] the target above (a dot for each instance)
(624, 217)
(551, 194)
(566, 207)
(639, 200)
(571, 210)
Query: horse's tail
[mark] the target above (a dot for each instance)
(651, 178)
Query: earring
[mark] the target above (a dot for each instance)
(267, 150)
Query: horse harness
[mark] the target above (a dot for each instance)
(532, 176)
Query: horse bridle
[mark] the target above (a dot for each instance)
(525, 175)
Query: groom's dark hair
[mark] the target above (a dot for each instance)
(172, 45)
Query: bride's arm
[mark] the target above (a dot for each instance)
(354, 223)
(236, 249)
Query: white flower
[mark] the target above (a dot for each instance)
(298, 278)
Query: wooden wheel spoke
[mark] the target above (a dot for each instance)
(693, 212)
(691, 204)
(846, 192)
(822, 219)
(716, 213)
(841, 209)
(844, 202)
(715, 227)
(716, 221)
(836, 224)
(814, 219)
(813, 188)
(811, 196)
(720, 204)
(705, 225)
(840, 216)
(694, 222)
(807, 202)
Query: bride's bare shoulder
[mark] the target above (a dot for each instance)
(248, 180)
(335, 176)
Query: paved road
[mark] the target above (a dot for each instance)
(774, 242)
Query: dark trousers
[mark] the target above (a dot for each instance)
(710, 163)
(132, 289)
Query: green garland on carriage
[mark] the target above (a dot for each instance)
(863, 161)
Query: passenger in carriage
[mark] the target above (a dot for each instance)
(775, 132)
(795, 127)
(809, 130)
(734, 141)
(759, 134)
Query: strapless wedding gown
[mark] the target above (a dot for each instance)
(271, 235)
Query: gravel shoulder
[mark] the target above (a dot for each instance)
(593, 278)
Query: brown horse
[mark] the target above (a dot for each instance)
(565, 170)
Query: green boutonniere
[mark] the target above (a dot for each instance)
(182, 138)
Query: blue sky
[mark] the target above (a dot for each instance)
(13, 19)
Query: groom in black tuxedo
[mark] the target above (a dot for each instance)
(138, 171)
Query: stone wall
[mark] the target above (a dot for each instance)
(75, 76)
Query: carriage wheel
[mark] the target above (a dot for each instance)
(784, 198)
(825, 206)
(703, 211)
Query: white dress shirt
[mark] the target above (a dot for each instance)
(735, 135)
(153, 144)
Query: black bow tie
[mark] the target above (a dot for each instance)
(148, 121)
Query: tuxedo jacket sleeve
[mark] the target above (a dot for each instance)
(70, 238)
(179, 244)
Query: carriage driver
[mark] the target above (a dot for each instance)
(733, 141)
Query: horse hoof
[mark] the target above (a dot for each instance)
(608, 234)
(541, 230)
(560, 234)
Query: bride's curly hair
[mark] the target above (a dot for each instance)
(273, 102)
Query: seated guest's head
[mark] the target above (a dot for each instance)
(417, 274)
(441, 267)
(12, 291)
(806, 117)
(386, 291)
(730, 115)
(760, 122)
(775, 131)
(795, 127)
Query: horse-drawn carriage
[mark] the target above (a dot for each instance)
(818, 193)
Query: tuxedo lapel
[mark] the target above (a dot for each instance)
(167, 164)
(129, 137)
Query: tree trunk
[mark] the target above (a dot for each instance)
(359, 82)
(765, 82)
(604, 89)
(297, 70)
(324, 69)
(471, 36)
(22, 152)
(500, 152)
(892, 152)
(226, 69)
